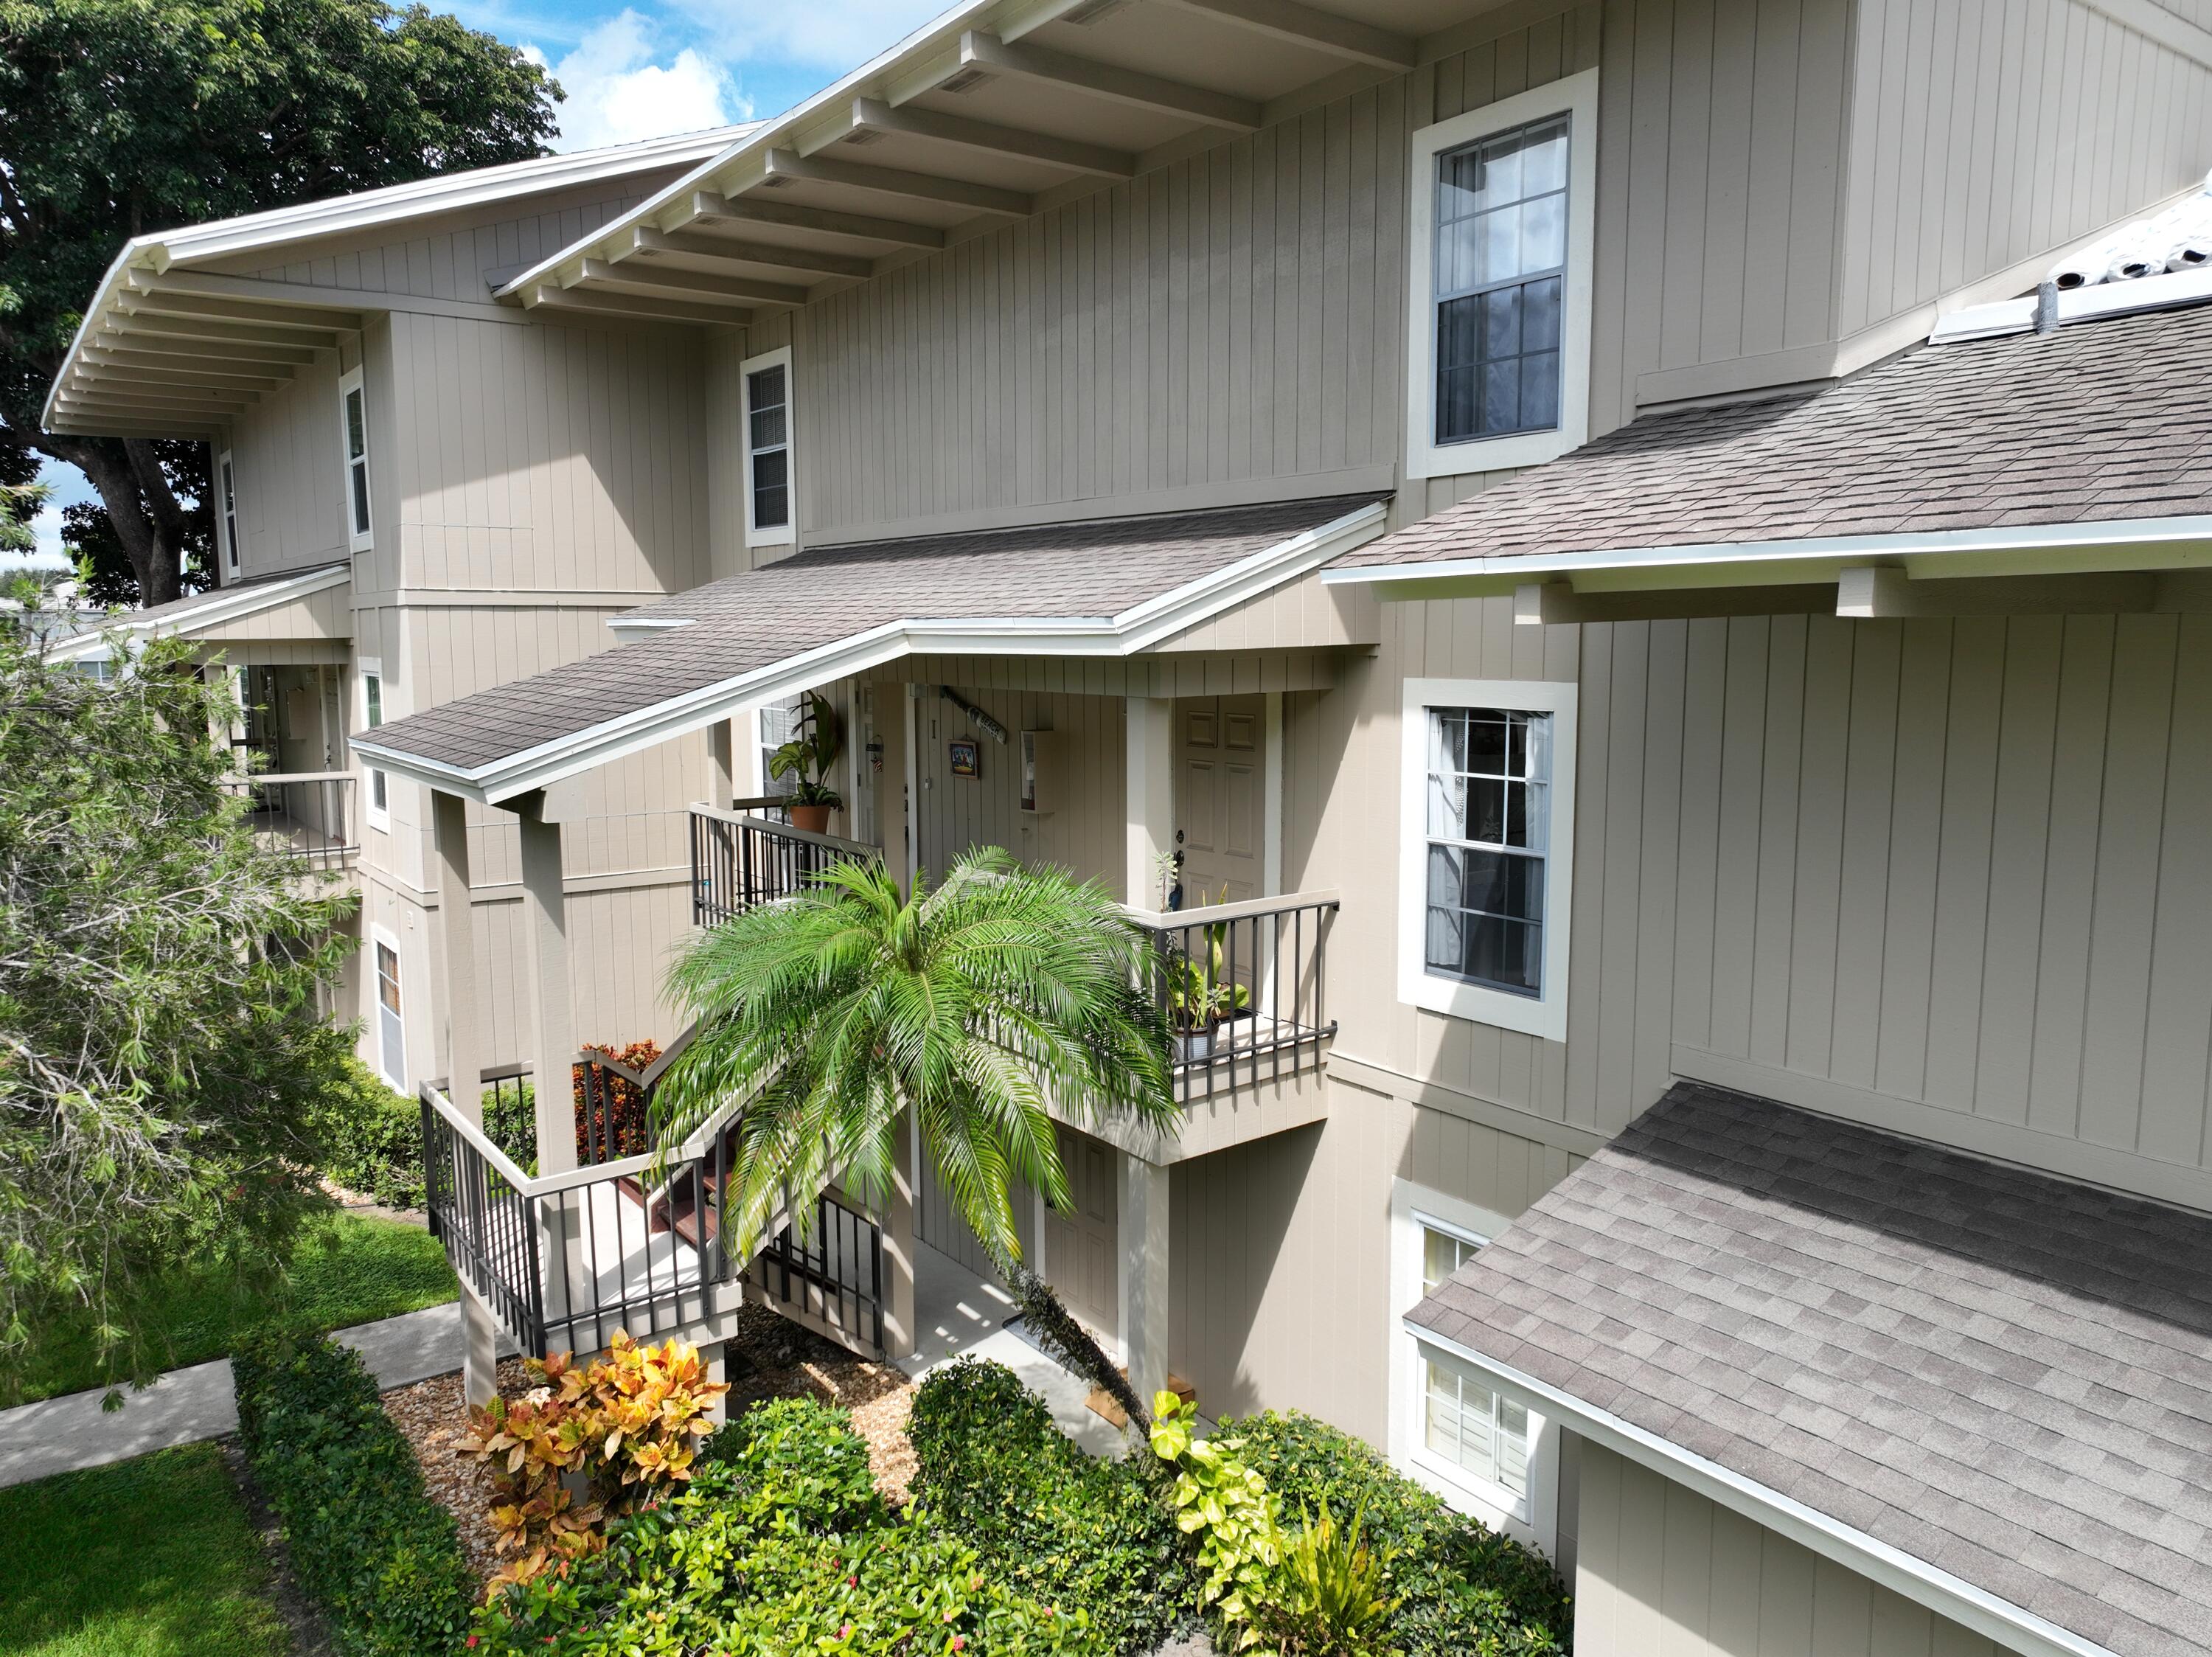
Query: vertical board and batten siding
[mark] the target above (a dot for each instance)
(1942, 875)
(1989, 131)
(1664, 1572)
(288, 476)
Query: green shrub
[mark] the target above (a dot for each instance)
(1462, 1589)
(375, 1137)
(366, 1544)
(775, 1548)
(1069, 1528)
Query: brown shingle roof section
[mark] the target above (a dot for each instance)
(1094, 569)
(2099, 421)
(2007, 1374)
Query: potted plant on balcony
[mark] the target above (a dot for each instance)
(1202, 996)
(813, 749)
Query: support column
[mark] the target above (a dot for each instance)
(553, 1024)
(716, 1356)
(480, 1349)
(464, 1022)
(1150, 807)
(1143, 1224)
(721, 774)
(900, 1337)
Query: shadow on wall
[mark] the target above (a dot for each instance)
(1244, 1302)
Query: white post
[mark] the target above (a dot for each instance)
(897, 1286)
(913, 770)
(553, 1027)
(1150, 808)
(721, 775)
(480, 1349)
(1143, 1224)
(464, 1023)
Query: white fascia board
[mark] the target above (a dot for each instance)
(1127, 633)
(449, 192)
(223, 604)
(942, 33)
(1939, 545)
(2013, 1628)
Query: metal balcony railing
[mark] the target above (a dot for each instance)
(1245, 989)
(627, 1242)
(739, 862)
(307, 817)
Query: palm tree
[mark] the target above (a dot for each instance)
(840, 1010)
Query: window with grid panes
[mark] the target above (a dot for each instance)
(1501, 256)
(1478, 1430)
(1488, 835)
(768, 417)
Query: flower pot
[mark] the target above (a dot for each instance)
(815, 819)
(1193, 1046)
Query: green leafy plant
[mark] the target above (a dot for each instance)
(366, 1544)
(1062, 1525)
(1225, 1504)
(1461, 1589)
(1331, 1596)
(851, 1009)
(629, 1424)
(751, 1557)
(818, 744)
(1201, 992)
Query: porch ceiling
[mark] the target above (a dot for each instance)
(997, 109)
(1104, 587)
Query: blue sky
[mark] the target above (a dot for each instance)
(641, 70)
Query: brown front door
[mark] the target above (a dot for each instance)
(1219, 769)
(1081, 1247)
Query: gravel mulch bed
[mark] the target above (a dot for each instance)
(769, 1357)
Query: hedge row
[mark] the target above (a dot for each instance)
(366, 1544)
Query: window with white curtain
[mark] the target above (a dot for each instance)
(1481, 1433)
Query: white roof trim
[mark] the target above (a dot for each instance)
(447, 193)
(2013, 1627)
(1129, 633)
(2012, 316)
(222, 604)
(2188, 538)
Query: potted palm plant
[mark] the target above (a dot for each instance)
(806, 758)
(1202, 996)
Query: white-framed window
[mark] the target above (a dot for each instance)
(770, 438)
(353, 437)
(1482, 1450)
(376, 787)
(226, 500)
(391, 1022)
(1488, 820)
(1504, 220)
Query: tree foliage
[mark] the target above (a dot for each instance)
(166, 1069)
(836, 1013)
(122, 117)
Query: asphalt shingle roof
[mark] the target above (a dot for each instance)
(1095, 569)
(2101, 420)
(2005, 1373)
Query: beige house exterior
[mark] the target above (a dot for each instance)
(1069, 394)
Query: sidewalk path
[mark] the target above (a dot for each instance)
(187, 1406)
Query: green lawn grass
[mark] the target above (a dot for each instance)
(350, 1269)
(144, 1558)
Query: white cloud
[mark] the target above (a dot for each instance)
(815, 32)
(618, 95)
(48, 554)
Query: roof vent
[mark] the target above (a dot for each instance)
(773, 181)
(863, 134)
(2179, 238)
(967, 79)
(1091, 11)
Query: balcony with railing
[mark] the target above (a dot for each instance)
(306, 817)
(740, 861)
(629, 1239)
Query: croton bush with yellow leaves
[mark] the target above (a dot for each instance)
(628, 1425)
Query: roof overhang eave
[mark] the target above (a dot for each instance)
(2098, 545)
(223, 605)
(1129, 633)
(2010, 1626)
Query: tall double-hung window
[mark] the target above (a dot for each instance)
(768, 435)
(226, 491)
(1488, 858)
(353, 439)
(1503, 223)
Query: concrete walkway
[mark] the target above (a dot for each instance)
(62, 1434)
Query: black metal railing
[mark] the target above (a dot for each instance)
(305, 816)
(739, 862)
(479, 1209)
(835, 1277)
(1245, 989)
